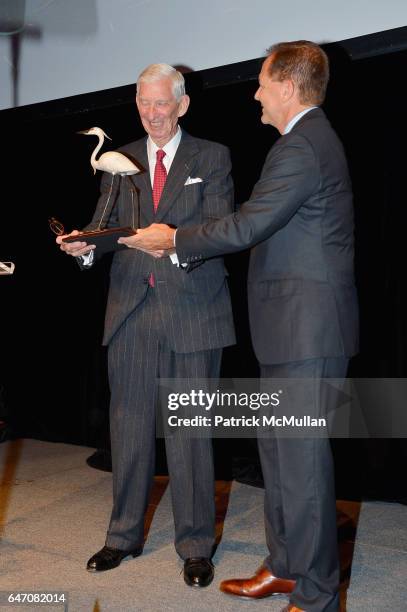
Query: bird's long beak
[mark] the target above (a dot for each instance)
(83, 132)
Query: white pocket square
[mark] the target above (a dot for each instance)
(191, 181)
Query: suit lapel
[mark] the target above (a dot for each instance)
(142, 181)
(181, 168)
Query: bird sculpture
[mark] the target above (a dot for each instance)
(111, 161)
(114, 163)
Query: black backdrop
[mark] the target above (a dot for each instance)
(52, 367)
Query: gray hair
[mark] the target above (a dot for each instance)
(156, 72)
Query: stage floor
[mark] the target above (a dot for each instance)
(54, 511)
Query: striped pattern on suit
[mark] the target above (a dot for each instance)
(175, 330)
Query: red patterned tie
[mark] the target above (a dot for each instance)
(160, 176)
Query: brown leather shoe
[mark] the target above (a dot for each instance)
(262, 584)
(292, 608)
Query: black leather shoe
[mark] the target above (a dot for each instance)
(198, 571)
(100, 460)
(107, 558)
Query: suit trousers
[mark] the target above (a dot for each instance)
(138, 355)
(300, 509)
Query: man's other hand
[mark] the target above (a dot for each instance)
(156, 240)
(77, 248)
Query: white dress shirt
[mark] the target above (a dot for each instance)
(170, 149)
(296, 118)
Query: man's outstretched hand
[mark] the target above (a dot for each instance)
(156, 240)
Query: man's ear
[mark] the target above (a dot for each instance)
(183, 105)
(289, 89)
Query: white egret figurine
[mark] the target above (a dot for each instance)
(112, 162)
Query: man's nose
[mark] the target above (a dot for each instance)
(149, 112)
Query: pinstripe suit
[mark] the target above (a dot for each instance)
(175, 330)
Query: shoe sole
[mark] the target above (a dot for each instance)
(251, 597)
(197, 585)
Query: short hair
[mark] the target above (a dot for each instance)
(156, 72)
(306, 64)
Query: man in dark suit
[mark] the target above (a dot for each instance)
(303, 313)
(163, 323)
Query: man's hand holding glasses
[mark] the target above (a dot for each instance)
(77, 248)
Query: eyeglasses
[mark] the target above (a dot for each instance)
(56, 226)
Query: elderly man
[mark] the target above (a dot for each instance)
(163, 323)
(303, 313)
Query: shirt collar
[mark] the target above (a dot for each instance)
(170, 148)
(296, 118)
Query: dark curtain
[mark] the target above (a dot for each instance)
(53, 368)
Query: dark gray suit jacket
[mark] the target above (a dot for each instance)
(195, 307)
(302, 296)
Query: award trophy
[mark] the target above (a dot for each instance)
(114, 163)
